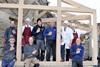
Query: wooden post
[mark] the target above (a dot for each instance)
(19, 32)
(58, 58)
(95, 40)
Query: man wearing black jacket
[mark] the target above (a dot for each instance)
(37, 32)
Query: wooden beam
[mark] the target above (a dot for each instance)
(38, 7)
(58, 37)
(68, 14)
(85, 63)
(76, 17)
(94, 39)
(79, 17)
(76, 26)
(76, 5)
(19, 32)
(42, 7)
(76, 10)
(80, 26)
(3, 5)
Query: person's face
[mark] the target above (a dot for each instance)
(27, 22)
(12, 40)
(31, 40)
(39, 23)
(78, 41)
(12, 23)
(52, 24)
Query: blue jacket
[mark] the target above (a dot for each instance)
(9, 55)
(9, 32)
(75, 56)
(38, 35)
(28, 49)
(50, 37)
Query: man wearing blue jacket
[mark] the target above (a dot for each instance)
(50, 35)
(77, 52)
(11, 31)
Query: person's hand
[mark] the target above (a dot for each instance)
(34, 52)
(11, 48)
(50, 33)
(13, 31)
(78, 50)
(14, 60)
(38, 30)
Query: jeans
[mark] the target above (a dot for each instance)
(41, 51)
(8, 63)
(62, 52)
(77, 63)
(51, 48)
(67, 54)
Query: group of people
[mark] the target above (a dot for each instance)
(39, 43)
(43, 35)
(34, 40)
(71, 47)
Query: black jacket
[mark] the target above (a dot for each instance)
(38, 35)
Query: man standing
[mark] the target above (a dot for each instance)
(77, 53)
(50, 34)
(11, 31)
(63, 41)
(37, 32)
(68, 39)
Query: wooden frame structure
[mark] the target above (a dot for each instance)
(77, 8)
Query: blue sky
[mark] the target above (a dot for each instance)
(95, 4)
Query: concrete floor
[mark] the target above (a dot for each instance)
(52, 64)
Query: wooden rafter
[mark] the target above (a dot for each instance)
(80, 26)
(42, 7)
(63, 19)
(76, 5)
(79, 17)
(76, 10)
